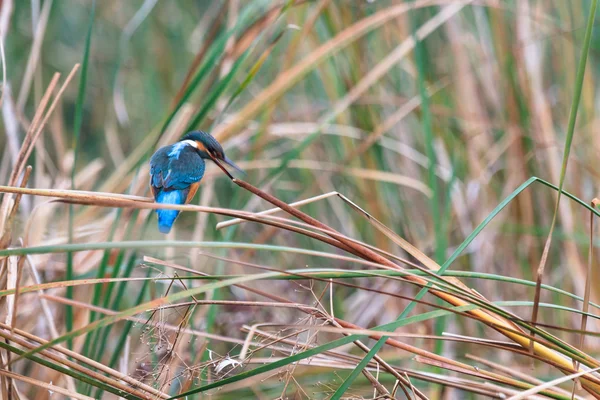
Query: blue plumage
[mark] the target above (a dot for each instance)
(173, 170)
(166, 218)
(176, 171)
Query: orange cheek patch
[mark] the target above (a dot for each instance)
(201, 147)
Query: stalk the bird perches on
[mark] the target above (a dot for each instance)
(177, 169)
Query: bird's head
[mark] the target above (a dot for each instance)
(208, 148)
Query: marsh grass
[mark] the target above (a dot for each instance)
(407, 139)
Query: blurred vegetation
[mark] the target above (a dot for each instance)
(428, 115)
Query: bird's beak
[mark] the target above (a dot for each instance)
(232, 164)
(228, 162)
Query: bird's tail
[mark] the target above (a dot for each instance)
(166, 218)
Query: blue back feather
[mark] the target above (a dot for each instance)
(166, 218)
(176, 167)
(173, 169)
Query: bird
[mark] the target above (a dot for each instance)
(177, 169)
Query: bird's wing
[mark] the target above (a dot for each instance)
(184, 170)
(176, 168)
(159, 164)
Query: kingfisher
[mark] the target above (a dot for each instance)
(177, 169)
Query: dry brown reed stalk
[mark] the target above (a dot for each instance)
(546, 385)
(375, 334)
(49, 387)
(28, 341)
(305, 276)
(588, 286)
(117, 200)
(487, 389)
(13, 270)
(359, 344)
(21, 159)
(519, 375)
(307, 309)
(125, 201)
(37, 126)
(421, 356)
(77, 282)
(162, 325)
(491, 377)
(6, 235)
(5, 240)
(236, 221)
(95, 198)
(108, 200)
(500, 324)
(35, 129)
